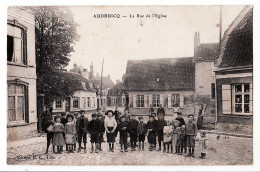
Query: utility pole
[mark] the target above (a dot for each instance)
(101, 83)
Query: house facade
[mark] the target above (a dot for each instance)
(117, 95)
(160, 81)
(234, 72)
(205, 55)
(21, 74)
(84, 97)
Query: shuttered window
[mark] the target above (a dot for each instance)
(156, 100)
(242, 99)
(140, 100)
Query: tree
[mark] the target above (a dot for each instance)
(55, 32)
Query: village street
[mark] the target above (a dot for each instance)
(226, 150)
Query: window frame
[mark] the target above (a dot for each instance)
(175, 98)
(242, 93)
(15, 23)
(88, 102)
(156, 101)
(78, 103)
(60, 102)
(18, 82)
(140, 101)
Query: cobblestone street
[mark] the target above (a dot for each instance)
(223, 151)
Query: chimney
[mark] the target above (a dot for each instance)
(91, 71)
(196, 45)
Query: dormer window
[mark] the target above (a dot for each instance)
(157, 79)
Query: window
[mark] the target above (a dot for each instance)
(241, 96)
(84, 102)
(212, 90)
(175, 99)
(156, 100)
(88, 98)
(58, 104)
(75, 102)
(140, 100)
(93, 102)
(16, 43)
(17, 97)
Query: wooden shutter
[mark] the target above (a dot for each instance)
(26, 104)
(181, 101)
(145, 101)
(169, 101)
(251, 99)
(161, 99)
(134, 101)
(226, 99)
(150, 100)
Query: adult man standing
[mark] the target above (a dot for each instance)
(81, 128)
(160, 110)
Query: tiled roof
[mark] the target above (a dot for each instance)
(118, 89)
(160, 74)
(207, 52)
(106, 82)
(78, 82)
(237, 45)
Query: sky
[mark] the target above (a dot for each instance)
(120, 39)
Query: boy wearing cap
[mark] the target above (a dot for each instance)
(160, 124)
(152, 128)
(141, 132)
(81, 128)
(191, 133)
(132, 126)
(122, 127)
(93, 129)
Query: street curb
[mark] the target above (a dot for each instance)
(229, 134)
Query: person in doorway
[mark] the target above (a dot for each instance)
(200, 116)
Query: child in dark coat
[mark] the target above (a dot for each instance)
(160, 125)
(191, 132)
(183, 139)
(122, 128)
(152, 128)
(102, 130)
(93, 129)
(141, 132)
(132, 126)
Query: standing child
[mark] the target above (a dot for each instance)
(141, 132)
(132, 126)
(183, 139)
(191, 132)
(152, 127)
(81, 127)
(58, 129)
(122, 128)
(110, 126)
(93, 129)
(101, 131)
(203, 145)
(167, 136)
(70, 133)
(160, 124)
(178, 143)
(175, 125)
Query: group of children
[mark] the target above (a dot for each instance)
(174, 134)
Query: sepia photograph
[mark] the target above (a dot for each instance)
(129, 85)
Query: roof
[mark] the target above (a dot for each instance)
(78, 82)
(76, 69)
(118, 89)
(207, 51)
(106, 82)
(160, 74)
(237, 43)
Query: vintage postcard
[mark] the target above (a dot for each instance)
(130, 85)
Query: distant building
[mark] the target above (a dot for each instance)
(166, 81)
(205, 55)
(80, 70)
(117, 95)
(84, 97)
(21, 74)
(234, 72)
